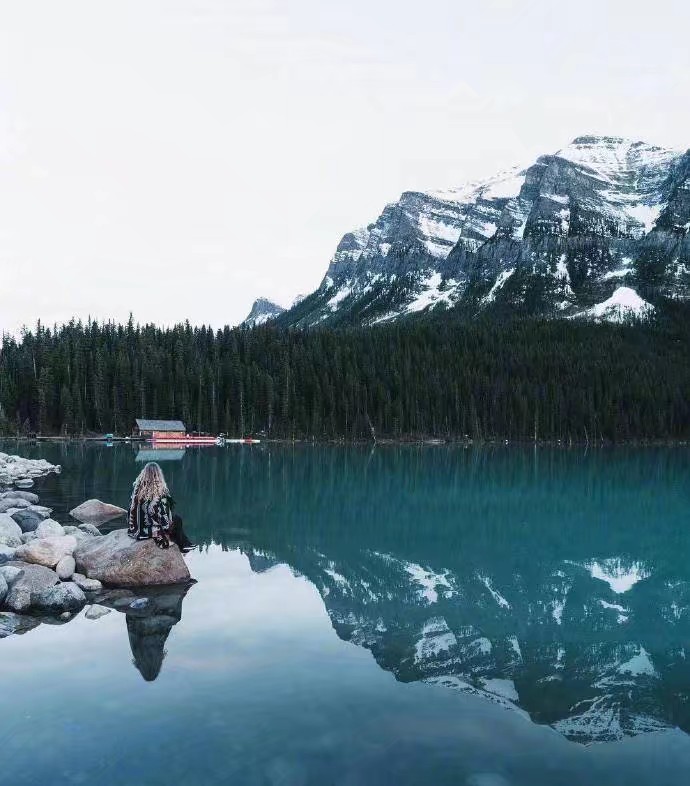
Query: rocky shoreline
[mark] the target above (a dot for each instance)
(50, 571)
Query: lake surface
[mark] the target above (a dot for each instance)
(407, 615)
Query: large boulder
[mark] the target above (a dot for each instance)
(119, 561)
(93, 511)
(49, 527)
(47, 551)
(59, 598)
(95, 612)
(28, 519)
(10, 531)
(23, 590)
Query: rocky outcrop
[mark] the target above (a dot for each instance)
(118, 561)
(21, 471)
(94, 511)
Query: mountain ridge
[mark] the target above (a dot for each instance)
(597, 230)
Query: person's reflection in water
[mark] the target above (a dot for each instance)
(150, 618)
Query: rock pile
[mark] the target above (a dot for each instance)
(20, 472)
(48, 568)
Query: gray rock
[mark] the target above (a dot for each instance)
(119, 561)
(88, 585)
(6, 504)
(28, 520)
(15, 623)
(89, 529)
(95, 612)
(29, 496)
(7, 554)
(49, 527)
(8, 526)
(4, 588)
(24, 483)
(10, 573)
(34, 579)
(28, 536)
(10, 541)
(47, 551)
(40, 510)
(93, 510)
(65, 568)
(59, 598)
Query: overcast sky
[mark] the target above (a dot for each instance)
(178, 158)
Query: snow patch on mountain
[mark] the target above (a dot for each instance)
(623, 305)
(619, 576)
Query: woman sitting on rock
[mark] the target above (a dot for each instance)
(150, 511)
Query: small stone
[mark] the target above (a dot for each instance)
(28, 536)
(95, 612)
(47, 551)
(94, 510)
(4, 588)
(65, 568)
(41, 510)
(88, 585)
(59, 598)
(24, 483)
(139, 603)
(49, 527)
(89, 529)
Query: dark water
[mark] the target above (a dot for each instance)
(400, 615)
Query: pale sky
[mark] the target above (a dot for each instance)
(178, 158)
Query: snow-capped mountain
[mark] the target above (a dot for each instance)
(599, 230)
(262, 311)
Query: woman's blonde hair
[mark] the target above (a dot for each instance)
(150, 483)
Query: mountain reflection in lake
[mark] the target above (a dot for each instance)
(549, 582)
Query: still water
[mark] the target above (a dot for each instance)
(401, 615)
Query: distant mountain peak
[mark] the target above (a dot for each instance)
(262, 311)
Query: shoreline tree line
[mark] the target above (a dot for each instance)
(517, 380)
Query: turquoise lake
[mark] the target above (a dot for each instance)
(388, 615)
